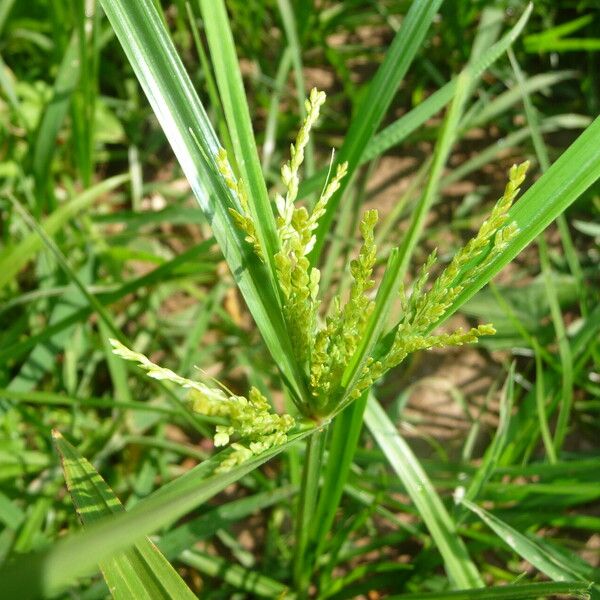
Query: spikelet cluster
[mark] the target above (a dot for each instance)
(250, 420)
(421, 309)
(327, 350)
(336, 343)
(243, 219)
(298, 281)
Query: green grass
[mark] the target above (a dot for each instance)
(115, 222)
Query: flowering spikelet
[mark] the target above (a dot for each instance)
(249, 419)
(298, 281)
(244, 219)
(290, 170)
(422, 309)
(336, 343)
(492, 237)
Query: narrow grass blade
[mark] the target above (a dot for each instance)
(14, 258)
(542, 411)
(494, 450)
(559, 326)
(139, 572)
(56, 111)
(376, 101)
(524, 430)
(459, 567)
(191, 348)
(239, 123)
(211, 85)
(442, 152)
(271, 125)
(500, 104)
(7, 86)
(53, 399)
(5, 9)
(564, 350)
(526, 548)
(116, 368)
(553, 39)
(42, 359)
(257, 584)
(410, 122)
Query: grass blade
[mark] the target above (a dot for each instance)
(459, 567)
(555, 312)
(399, 130)
(494, 451)
(380, 93)
(271, 124)
(259, 585)
(441, 155)
(139, 572)
(237, 115)
(56, 111)
(526, 548)
(542, 411)
(47, 572)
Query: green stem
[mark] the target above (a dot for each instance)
(307, 501)
(345, 435)
(540, 397)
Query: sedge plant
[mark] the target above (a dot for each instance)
(330, 346)
(326, 345)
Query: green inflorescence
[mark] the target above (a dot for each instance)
(298, 281)
(326, 349)
(421, 309)
(250, 420)
(243, 219)
(336, 342)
